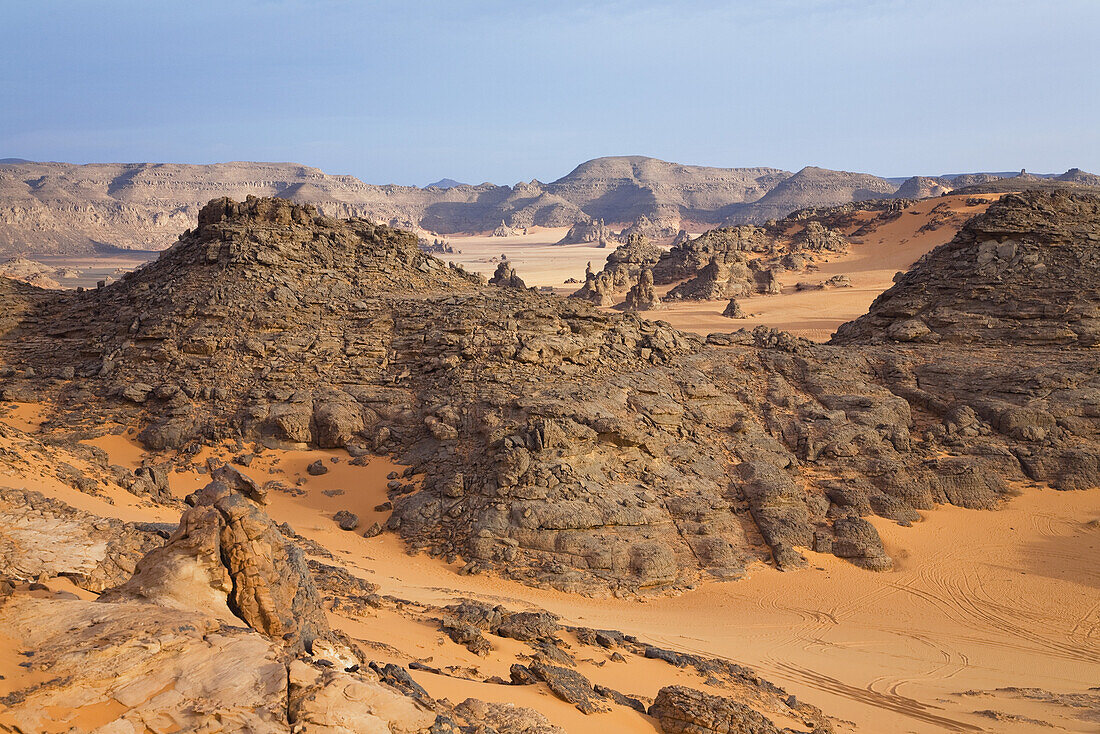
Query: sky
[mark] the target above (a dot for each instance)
(414, 90)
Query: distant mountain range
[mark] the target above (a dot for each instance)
(445, 183)
(66, 208)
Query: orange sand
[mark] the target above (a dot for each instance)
(979, 601)
(871, 265)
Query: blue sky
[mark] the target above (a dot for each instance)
(411, 91)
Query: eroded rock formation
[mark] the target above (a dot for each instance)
(553, 442)
(229, 559)
(641, 296)
(1024, 273)
(621, 272)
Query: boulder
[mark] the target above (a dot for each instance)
(228, 559)
(682, 710)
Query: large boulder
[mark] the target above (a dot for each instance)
(229, 559)
(683, 710)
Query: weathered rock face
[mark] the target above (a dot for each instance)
(740, 261)
(733, 310)
(42, 536)
(621, 273)
(816, 237)
(663, 229)
(922, 187)
(31, 272)
(168, 660)
(506, 276)
(507, 717)
(164, 667)
(998, 328)
(685, 260)
(552, 442)
(682, 710)
(229, 559)
(725, 276)
(727, 262)
(325, 701)
(1023, 273)
(594, 231)
(642, 297)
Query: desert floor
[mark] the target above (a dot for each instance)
(536, 256)
(871, 264)
(989, 622)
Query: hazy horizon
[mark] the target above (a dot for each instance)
(492, 92)
(7, 160)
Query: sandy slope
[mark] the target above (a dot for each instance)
(871, 265)
(980, 601)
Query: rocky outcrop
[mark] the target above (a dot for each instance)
(923, 187)
(323, 700)
(816, 237)
(663, 229)
(40, 536)
(550, 441)
(506, 718)
(622, 271)
(641, 296)
(437, 247)
(228, 558)
(166, 647)
(592, 231)
(506, 276)
(737, 262)
(32, 272)
(721, 264)
(1022, 273)
(731, 276)
(733, 310)
(682, 710)
(685, 260)
(161, 667)
(1076, 175)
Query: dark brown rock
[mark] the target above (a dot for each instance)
(682, 710)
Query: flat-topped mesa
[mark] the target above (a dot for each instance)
(1026, 272)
